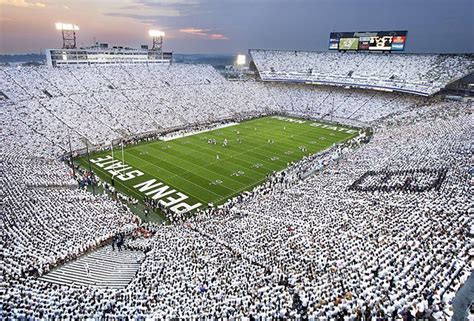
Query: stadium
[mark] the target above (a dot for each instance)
(319, 185)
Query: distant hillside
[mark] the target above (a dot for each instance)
(22, 58)
(218, 61)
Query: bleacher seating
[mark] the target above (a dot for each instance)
(421, 74)
(291, 248)
(90, 104)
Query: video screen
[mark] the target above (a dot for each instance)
(348, 43)
(368, 40)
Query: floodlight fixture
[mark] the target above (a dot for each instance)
(66, 26)
(157, 36)
(156, 33)
(241, 60)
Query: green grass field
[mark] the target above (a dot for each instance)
(190, 165)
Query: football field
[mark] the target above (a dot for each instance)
(190, 172)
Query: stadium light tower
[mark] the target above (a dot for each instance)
(68, 31)
(157, 36)
(241, 60)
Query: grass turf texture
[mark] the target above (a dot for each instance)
(190, 165)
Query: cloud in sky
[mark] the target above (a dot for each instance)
(203, 33)
(194, 31)
(152, 12)
(147, 9)
(200, 26)
(145, 18)
(217, 36)
(22, 3)
(163, 3)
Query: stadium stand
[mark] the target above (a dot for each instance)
(100, 109)
(291, 248)
(103, 268)
(420, 74)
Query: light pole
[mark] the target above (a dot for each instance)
(157, 37)
(240, 62)
(68, 32)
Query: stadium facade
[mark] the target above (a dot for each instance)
(102, 55)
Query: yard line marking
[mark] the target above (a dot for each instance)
(200, 187)
(196, 169)
(232, 157)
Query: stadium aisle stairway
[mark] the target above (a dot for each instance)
(107, 268)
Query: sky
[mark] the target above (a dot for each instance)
(234, 26)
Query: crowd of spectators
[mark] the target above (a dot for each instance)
(421, 74)
(412, 180)
(88, 105)
(298, 246)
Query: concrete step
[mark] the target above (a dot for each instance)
(107, 268)
(69, 280)
(81, 283)
(103, 267)
(92, 276)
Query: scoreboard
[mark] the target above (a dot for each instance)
(368, 40)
